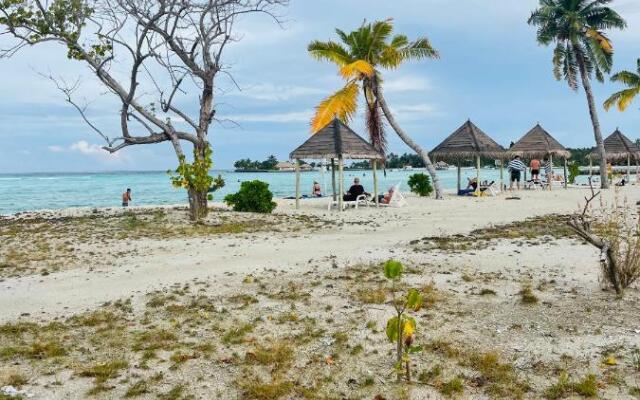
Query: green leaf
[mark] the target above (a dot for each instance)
(393, 269)
(414, 300)
(392, 329)
(415, 349)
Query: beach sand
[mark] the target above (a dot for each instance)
(305, 284)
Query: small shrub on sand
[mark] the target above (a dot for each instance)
(253, 196)
(279, 355)
(104, 371)
(587, 387)
(527, 296)
(256, 389)
(487, 292)
(137, 389)
(501, 378)
(372, 296)
(454, 386)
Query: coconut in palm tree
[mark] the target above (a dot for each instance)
(582, 49)
(361, 57)
(624, 97)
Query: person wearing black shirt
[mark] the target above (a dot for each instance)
(354, 191)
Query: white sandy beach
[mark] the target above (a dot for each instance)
(564, 271)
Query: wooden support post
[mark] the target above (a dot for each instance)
(333, 178)
(629, 168)
(478, 176)
(375, 182)
(459, 176)
(501, 175)
(553, 173)
(341, 182)
(297, 184)
(590, 167)
(566, 176)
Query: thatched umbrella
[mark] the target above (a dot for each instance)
(468, 141)
(618, 147)
(538, 143)
(336, 141)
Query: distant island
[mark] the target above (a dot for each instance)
(271, 164)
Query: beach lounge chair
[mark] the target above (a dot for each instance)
(397, 199)
(491, 188)
(362, 200)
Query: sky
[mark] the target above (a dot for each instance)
(491, 70)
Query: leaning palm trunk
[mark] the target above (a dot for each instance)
(586, 83)
(415, 146)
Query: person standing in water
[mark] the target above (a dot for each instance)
(126, 198)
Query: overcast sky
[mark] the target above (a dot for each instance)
(491, 70)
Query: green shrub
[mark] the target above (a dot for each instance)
(574, 171)
(253, 196)
(420, 184)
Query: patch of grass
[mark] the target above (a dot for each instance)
(155, 339)
(501, 378)
(372, 296)
(244, 299)
(427, 376)
(137, 389)
(526, 294)
(236, 335)
(15, 379)
(586, 387)
(487, 292)
(443, 348)
(454, 386)
(36, 351)
(176, 393)
(102, 372)
(179, 357)
(279, 355)
(256, 389)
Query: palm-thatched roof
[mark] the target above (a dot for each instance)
(335, 140)
(538, 143)
(618, 147)
(467, 141)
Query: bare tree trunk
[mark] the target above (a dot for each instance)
(198, 198)
(586, 83)
(413, 145)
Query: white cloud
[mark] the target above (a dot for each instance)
(407, 84)
(271, 92)
(84, 147)
(91, 150)
(299, 116)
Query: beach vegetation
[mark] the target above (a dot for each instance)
(586, 387)
(618, 238)
(360, 58)
(136, 389)
(582, 49)
(454, 386)
(574, 171)
(253, 196)
(401, 329)
(526, 294)
(420, 184)
(625, 97)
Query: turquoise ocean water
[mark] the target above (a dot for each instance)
(29, 192)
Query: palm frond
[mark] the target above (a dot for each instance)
(622, 99)
(357, 70)
(627, 77)
(329, 51)
(342, 104)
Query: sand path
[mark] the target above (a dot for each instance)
(362, 235)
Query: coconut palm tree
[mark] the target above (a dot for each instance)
(624, 97)
(582, 49)
(360, 57)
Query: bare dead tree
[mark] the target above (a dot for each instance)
(582, 225)
(169, 47)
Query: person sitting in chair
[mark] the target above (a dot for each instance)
(354, 191)
(386, 198)
(472, 186)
